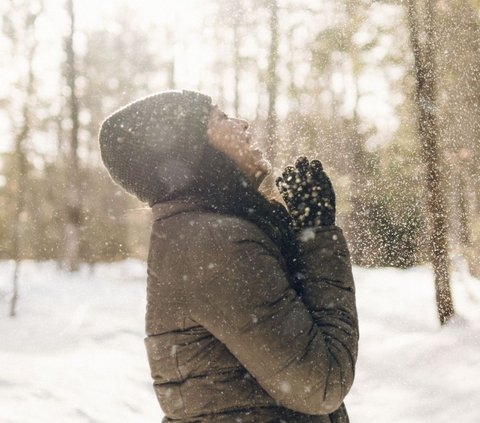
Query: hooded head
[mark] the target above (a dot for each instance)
(153, 146)
(157, 148)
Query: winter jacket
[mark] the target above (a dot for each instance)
(229, 339)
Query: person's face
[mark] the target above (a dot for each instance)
(231, 136)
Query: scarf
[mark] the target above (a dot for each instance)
(224, 189)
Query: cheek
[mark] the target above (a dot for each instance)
(229, 134)
(220, 136)
(215, 133)
(221, 129)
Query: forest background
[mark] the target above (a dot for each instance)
(336, 80)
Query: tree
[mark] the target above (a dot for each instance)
(459, 104)
(115, 224)
(423, 45)
(337, 54)
(272, 80)
(237, 60)
(73, 200)
(28, 17)
(228, 24)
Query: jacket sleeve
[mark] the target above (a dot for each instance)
(304, 359)
(327, 288)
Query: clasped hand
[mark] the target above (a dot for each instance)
(308, 194)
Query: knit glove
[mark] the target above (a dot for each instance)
(308, 194)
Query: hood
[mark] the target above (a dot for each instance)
(153, 146)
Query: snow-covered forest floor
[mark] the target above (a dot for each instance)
(75, 351)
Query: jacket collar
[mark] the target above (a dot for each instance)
(170, 208)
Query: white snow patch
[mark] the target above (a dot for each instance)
(75, 351)
(410, 370)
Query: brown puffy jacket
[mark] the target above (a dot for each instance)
(229, 339)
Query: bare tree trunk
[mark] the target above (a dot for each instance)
(293, 90)
(219, 65)
(364, 245)
(21, 174)
(425, 73)
(465, 237)
(21, 160)
(72, 248)
(272, 82)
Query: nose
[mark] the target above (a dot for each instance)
(243, 123)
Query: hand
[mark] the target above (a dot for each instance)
(308, 194)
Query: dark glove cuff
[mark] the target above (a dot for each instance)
(330, 238)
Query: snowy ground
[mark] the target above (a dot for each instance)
(75, 352)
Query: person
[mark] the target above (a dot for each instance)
(251, 312)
